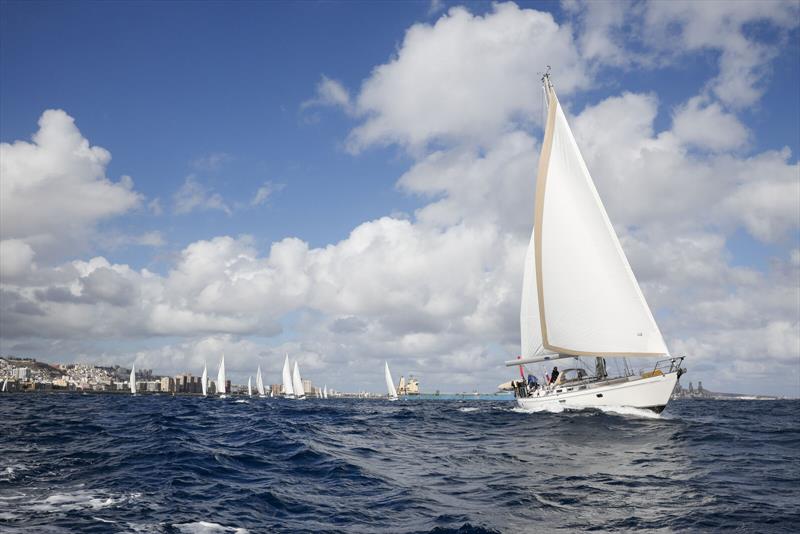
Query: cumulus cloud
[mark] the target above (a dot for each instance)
(438, 293)
(193, 195)
(54, 189)
(707, 126)
(466, 77)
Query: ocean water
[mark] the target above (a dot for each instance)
(113, 463)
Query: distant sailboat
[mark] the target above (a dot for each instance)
(259, 382)
(325, 391)
(389, 382)
(288, 390)
(5, 385)
(579, 295)
(249, 387)
(133, 379)
(221, 377)
(204, 379)
(297, 383)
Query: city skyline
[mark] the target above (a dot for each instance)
(183, 180)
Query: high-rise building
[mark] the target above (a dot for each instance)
(308, 387)
(167, 384)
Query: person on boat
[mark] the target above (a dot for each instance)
(533, 383)
(554, 375)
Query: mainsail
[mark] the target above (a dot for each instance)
(288, 390)
(221, 376)
(133, 379)
(325, 391)
(389, 381)
(249, 387)
(297, 383)
(204, 379)
(259, 382)
(578, 285)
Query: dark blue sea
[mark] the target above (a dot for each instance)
(114, 463)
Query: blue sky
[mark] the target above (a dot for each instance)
(226, 98)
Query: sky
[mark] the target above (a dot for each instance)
(352, 182)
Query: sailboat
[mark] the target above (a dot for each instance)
(389, 382)
(249, 387)
(5, 385)
(325, 391)
(259, 382)
(288, 390)
(204, 379)
(221, 377)
(297, 384)
(580, 297)
(133, 379)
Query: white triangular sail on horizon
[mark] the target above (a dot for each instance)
(249, 387)
(259, 382)
(389, 382)
(325, 391)
(297, 383)
(133, 379)
(288, 390)
(221, 377)
(580, 296)
(204, 379)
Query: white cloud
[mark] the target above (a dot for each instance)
(706, 125)
(16, 258)
(438, 294)
(330, 93)
(264, 193)
(600, 27)
(466, 77)
(193, 196)
(683, 26)
(54, 190)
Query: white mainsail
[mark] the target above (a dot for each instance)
(259, 382)
(204, 379)
(249, 387)
(578, 285)
(221, 376)
(389, 382)
(288, 390)
(297, 383)
(133, 379)
(325, 391)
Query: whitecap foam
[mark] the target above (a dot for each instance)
(242, 401)
(206, 527)
(79, 500)
(549, 408)
(472, 409)
(559, 408)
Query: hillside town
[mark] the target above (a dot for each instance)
(27, 374)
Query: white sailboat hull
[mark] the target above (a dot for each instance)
(651, 393)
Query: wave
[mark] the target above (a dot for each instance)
(559, 408)
(100, 463)
(206, 527)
